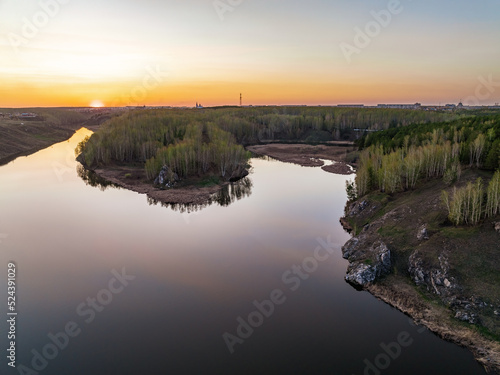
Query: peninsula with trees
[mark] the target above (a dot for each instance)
(186, 155)
(423, 211)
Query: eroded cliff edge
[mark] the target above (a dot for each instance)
(447, 278)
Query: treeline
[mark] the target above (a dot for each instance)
(202, 141)
(203, 148)
(397, 159)
(401, 157)
(479, 138)
(314, 124)
(157, 139)
(401, 169)
(56, 116)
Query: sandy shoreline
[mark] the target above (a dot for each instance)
(308, 155)
(137, 182)
(134, 178)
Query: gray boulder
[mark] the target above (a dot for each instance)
(166, 178)
(366, 263)
(422, 233)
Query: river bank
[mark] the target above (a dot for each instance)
(134, 179)
(404, 252)
(199, 191)
(309, 155)
(23, 137)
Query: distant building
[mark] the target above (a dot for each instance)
(400, 106)
(351, 106)
(198, 105)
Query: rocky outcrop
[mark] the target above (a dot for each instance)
(412, 228)
(366, 263)
(422, 233)
(167, 178)
(435, 278)
(356, 208)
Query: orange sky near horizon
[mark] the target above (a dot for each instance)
(74, 53)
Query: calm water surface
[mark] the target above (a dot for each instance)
(190, 277)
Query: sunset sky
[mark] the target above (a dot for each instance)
(177, 52)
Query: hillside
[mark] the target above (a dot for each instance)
(21, 135)
(425, 219)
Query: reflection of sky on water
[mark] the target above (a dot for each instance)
(193, 277)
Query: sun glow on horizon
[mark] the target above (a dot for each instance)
(179, 53)
(96, 104)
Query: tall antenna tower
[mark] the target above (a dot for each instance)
(241, 100)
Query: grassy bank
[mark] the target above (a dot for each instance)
(24, 135)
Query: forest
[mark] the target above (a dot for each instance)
(194, 142)
(399, 158)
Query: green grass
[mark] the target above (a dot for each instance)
(379, 197)
(209, 181)
(392, 231)
(459, 232)
(43, 137)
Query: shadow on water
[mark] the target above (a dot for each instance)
(229, 193)
(92, 179)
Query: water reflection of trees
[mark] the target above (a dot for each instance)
(92, 179)
(228, 194)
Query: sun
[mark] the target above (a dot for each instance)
(96, 104)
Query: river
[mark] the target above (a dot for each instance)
(109, 283)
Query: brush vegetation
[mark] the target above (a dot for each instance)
(210, 142)
(399, 159)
